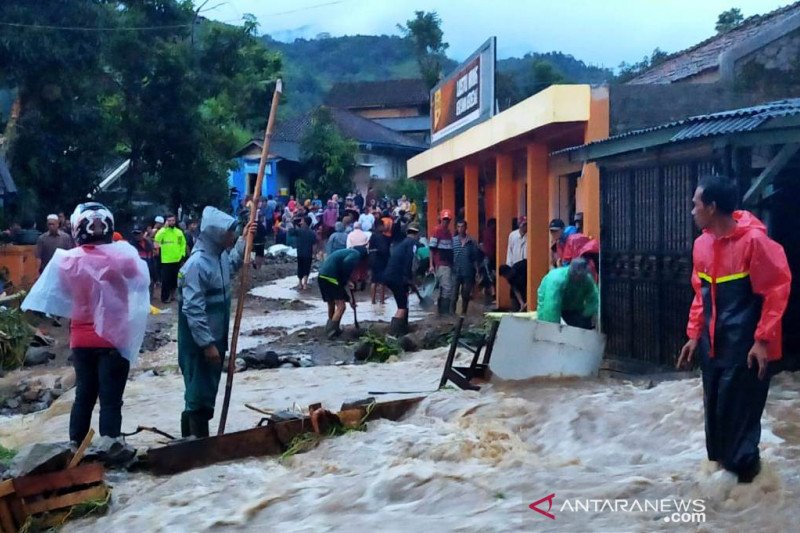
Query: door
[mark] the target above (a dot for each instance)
(647, 233)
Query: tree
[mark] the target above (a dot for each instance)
(177, 98)
(425, 33)
(61, 139)
(629, 71)
(541, 76)
(727, 20)
(329, 157)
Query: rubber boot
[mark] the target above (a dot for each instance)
(198, 424)
(332, 329)
(185, 428)
(444, 306)
(398, 327)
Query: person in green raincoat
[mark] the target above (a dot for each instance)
(204, 308)
(570, 293)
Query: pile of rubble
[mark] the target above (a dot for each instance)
(37, 393)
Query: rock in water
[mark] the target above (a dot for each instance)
(112, 452)
(257, 358)
(363, 351)
(40, 458)
(408, 343)
(38, 355)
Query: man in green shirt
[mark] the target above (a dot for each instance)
(334, 277)
(570, 293)
(171, 244)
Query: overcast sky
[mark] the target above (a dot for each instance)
(600, 32)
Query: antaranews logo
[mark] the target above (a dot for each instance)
(549, 500)
(675, 511)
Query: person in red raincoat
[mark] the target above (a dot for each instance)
(741, 282)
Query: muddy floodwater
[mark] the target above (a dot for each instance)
(460, 461)
(597, 455)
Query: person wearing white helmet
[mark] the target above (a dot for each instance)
(102, 286)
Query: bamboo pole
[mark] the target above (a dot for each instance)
(244, 276)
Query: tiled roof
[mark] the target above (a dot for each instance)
(350, 125)
(722, 123)
(386, 93)
(705, 55)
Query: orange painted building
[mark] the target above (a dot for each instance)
(502, 168)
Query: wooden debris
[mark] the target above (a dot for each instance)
(272, 439)
(26, 497)
(87, 440)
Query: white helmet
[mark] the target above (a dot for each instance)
(83, 221)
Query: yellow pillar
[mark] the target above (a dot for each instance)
(597, 128)
(449, 193)
(505, 209)
(538, 219)
(471, 192)
(434, 203)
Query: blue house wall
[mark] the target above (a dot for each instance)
(238, 178)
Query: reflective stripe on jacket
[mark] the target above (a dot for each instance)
(741, 284)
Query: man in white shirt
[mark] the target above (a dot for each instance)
(518, 243)
(367, 221)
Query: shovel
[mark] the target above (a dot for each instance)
(425, 302)
(355, 313)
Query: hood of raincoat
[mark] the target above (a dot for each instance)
(213, 226)
(745, 221)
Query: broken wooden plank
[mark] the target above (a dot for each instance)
(392, 410)
(273, 439)
(6, 518)
(39, 483)
(99, 492)
(6, 488)
(87, 440)
(185, 455)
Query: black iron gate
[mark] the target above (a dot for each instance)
(646, 258)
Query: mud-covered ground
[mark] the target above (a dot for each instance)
(277, 317)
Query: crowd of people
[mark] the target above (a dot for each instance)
(741, 281)
(163, 244)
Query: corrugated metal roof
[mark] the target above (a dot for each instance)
(721, 123)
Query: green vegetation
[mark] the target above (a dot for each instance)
(727, 20)
(6, 455)
(328, 156)
(425, 33)
(176, 101)
(383, 346)
(15, 337)
(312, 66)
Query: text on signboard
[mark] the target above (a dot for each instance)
(467, 84)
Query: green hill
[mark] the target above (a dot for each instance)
(312, 66)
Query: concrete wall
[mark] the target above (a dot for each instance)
(781, 54)
(640, 106)
(384, 166)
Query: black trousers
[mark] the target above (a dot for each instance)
(169, 279)
(463, 288)
(734, 400)
(99, 372)
(576, 319)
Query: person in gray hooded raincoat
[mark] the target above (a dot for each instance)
(204, 308)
